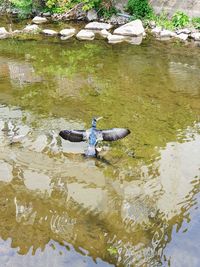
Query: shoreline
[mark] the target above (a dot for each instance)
(132, 32)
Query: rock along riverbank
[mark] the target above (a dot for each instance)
(132, 32)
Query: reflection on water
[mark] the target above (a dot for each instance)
(131, 207)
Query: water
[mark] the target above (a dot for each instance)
(138, 204)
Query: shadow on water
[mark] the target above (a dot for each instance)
(134, 204)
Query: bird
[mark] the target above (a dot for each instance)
(93, 136)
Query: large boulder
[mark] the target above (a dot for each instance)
(85, 35)
(98, 26)
(31, 29)
(39, 20)
(133, 28)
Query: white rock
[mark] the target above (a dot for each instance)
(17, 32)
(182, 36)
(31, 29)
(39, 20)
(133, 28)
(167, 33)
(49, 32)
(92, 15)
(114, 38)
(104, 33)
(3, 36)
(3, 31)
(98, 26)
(196, 36)
(85, 35)
(186, 31)
(67, 33)
(156, 30)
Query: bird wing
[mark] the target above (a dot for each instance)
(114, 134)
(73, 135)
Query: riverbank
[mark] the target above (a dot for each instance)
(132, 32)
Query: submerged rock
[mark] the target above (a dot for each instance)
(67, 33)
(31, 29)
(133, 28)
(39, 20)
(85, 35)
(98, 26)
(49, 32)
(92, 15)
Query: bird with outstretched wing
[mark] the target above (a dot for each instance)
(93, 135)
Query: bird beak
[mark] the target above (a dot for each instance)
(99, 118)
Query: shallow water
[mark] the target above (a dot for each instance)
(135, 206)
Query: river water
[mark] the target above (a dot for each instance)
(135, 206)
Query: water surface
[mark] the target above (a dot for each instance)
(138, 204)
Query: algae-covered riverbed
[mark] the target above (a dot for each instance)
(138, 205)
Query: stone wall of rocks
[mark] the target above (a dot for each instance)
(190, 7)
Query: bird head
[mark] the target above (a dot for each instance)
(94, 121)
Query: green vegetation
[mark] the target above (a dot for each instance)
(25, 7)
(139, 9)
(180, 19)
(196, 23)
(60, 6)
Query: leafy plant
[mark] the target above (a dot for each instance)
(180, 19)
(60, 6)
(163, 21)
(196, 23)
(139, 8)
(24, 6)
(106, 9)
